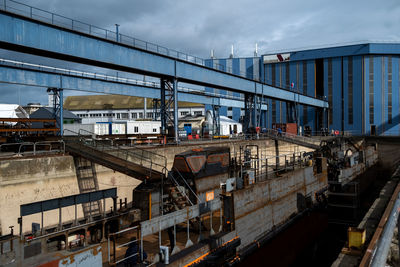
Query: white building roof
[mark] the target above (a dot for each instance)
(224, 119)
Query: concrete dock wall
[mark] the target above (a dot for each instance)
(25, 180)
(266, 204)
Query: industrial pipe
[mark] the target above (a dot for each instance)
(382, 249)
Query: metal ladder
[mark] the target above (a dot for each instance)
(87, 182)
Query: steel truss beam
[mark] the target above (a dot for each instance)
(26, 35)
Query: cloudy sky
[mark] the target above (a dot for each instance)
(196, 27)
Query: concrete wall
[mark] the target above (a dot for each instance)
(266, 204)
(266, 148)
(25, 180)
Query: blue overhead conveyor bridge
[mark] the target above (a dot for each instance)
(33, 31)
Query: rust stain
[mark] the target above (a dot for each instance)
(96, 251)
(50, 264)
(208, 253)
(72, 258)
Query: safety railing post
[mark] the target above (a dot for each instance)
(294, 160)
(285, 163)
(108, 247)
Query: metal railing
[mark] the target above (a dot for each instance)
(175, 170)
(32, 148)
(265, 167)
(107, 77)
(290, 136)
(113, 246)
(136, 155)
(82, 27)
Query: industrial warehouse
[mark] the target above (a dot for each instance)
(146, 156)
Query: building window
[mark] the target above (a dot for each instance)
(390, 89)
(136, 129)
(140, 115)
(371, 89)
(305, 77)
(183, 113)
(200, 112)
(350, 89)
(287, 76)
(149, 115)
(125, 115)
(154, 130)
(229, 108)
(118, 115)
(273, 111)
(330, 89)
(305, 115)
(134, 115)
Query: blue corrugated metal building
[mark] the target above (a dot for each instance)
(246, 67)
(360, 82)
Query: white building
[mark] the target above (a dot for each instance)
(120, 108)
(12, 111)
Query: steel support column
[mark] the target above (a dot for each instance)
(257, 110)
(162, 108)
(216, 120)
(249, 104)
(58, 97)
(175, 86)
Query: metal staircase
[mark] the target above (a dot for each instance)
(87, 182)
(294, 139)
(180, 194)
(138, 163)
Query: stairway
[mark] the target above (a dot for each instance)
(134, 162)
(179, 197)
(294, 139)
(87, 182)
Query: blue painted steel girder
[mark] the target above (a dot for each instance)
(47, 79)
(29, 36)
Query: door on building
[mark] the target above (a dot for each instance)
(373, 130)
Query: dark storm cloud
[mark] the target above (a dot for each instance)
(196, 27)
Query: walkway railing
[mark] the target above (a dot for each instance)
(31, 148)
(265, 168)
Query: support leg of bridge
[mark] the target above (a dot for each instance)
(248, 109)
(256, 111)
(216, 120)
(61, 111)
(58, 97)
(162, 108)
(175, 86)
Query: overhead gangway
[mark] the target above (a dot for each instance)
(134, 162)
(294, 139)
(25, 30)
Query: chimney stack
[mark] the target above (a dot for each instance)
(231, 55)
